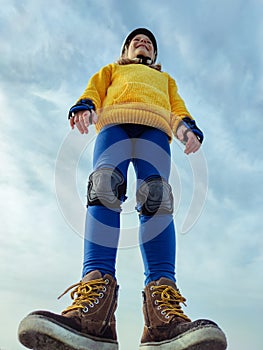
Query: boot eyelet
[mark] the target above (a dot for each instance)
(96, 301)
(156, 302)
(163, 312)
(85, 309)
(151, 288)
(159, 308)
(104, 289)
(101, 295)
(153, 295)
(167, 316)
(91, 305)
(107, 281)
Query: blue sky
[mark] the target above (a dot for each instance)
(214, 50)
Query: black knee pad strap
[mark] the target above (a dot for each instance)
(155, 197)
(106, 187)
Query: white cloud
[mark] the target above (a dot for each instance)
(214, 51)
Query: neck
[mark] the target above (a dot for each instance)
(144, 60)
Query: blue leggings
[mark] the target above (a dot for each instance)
(148, 150)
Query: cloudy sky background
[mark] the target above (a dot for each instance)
(48, 51)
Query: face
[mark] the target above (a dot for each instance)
(140, 45)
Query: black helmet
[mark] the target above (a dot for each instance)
(137, 31)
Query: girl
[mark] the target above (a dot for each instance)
(136, 110)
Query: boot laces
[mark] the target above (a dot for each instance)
(169, 301)
(86, 294)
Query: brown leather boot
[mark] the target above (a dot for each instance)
(88, 324)
(168, 328)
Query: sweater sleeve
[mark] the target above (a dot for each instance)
(98, 84)
(178, 108)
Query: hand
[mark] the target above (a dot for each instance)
(82, 120)
(187, 137)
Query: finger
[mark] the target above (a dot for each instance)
(82, 123)
(90, 117)
(94, 117)
(192, 144)
(78, 122)
(189, 144)
(79, 127)
(191, 148)
(197, 146)
(71, 122)
(86, 119)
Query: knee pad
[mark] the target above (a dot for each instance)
(106, 187)
(154, 196)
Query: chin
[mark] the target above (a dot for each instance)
(142, 52)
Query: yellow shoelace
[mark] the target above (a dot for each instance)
(170, 300)
(85, 295)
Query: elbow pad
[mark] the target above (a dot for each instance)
(82, 105)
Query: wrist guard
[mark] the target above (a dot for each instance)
(82, 105)
(191, 126)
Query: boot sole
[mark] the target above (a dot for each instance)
(38, 333)
(202, 338)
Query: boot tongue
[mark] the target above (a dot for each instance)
(167, 282)
(93, 275)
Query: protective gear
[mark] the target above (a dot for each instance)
(143, 60)
(191, 126)
(154, 196)
(135, 32)
(106, 187)
(82, 105)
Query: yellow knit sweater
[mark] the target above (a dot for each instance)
(136, 93)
